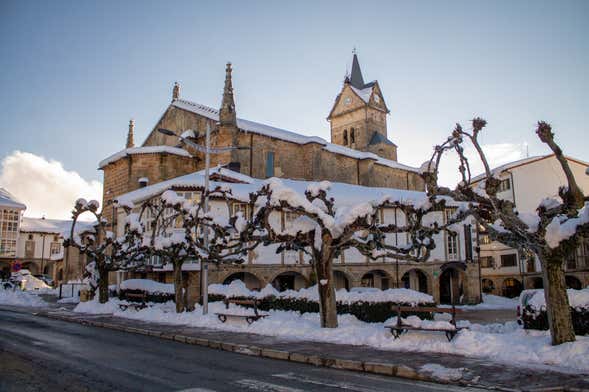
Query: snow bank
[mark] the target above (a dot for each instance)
(28, 281)
(238, 289)
(577, 299)
(491, 302)
(20, 298)
(147, 285)
(507, 343)
(443, 373)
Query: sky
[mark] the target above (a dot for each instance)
(75, 72)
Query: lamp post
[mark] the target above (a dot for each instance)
(207, 150)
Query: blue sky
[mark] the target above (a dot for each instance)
(74, 73)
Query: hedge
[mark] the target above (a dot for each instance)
(533, 319)
(372, 312)
(151, 297)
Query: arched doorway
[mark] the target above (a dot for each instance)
(379, 279)
(511, 288)
(450, 286)
(536, 283)
(32, 267)
(289, 280)
(488, 286)
(573, 283)
(415, 279)
(251, 281)
(341, 280)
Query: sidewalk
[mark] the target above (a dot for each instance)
(453, 369)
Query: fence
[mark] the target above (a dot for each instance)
(68, 290)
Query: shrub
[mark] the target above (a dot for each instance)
(372, 312)
(533, 319)
(151, 297)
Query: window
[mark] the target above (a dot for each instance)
(531, 264)
(485, 239)
(55, 248)
(240, 207)
(487, 262)
(509, 260)
(352, 136)
(504, 185)
(270, 164)
(8, 232)
(30, 237)
(452, 245)
(345, 137)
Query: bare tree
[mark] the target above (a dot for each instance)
(323, 231)
(176, 234)
(552, 234)
(102, 248)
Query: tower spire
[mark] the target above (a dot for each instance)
(176, 91)
(130, 141)
(227, 114)
(356, 78)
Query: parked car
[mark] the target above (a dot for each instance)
(45, 278)
(524, 298)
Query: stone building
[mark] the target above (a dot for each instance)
(10, 215)
(359, 153)
(526, 182)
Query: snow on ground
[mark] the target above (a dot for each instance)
(20, 298)
(238, 289)
(492, 302)
(443, 373)
(28, 281)
(507, 343)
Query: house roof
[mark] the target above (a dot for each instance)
(521, 162)
(378, 138)
(54, 226)
(345, 194)
(293, 137)
(143, 150)
(8, 200)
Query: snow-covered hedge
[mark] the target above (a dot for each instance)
(156, 291)
(534, 316)
(372, 306)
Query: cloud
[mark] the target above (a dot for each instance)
(497, 154)
(45, 186)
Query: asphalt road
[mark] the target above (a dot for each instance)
(40, 354)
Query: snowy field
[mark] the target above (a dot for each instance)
(507, 342)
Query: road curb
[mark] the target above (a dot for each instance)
(388, 369)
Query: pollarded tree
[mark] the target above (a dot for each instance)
(323, 229)
(177, 233)
(552, 233)
(103, 250)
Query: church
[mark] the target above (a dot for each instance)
(360, 151)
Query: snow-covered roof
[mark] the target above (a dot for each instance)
(520, 162)
(345, 194)
(8, 200)
(364, 93)
(143, 150)
(282, 134)
(53, 226)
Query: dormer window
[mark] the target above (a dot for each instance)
(345, 137)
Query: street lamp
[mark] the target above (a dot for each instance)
(207, 150)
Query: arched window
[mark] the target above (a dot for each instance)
(345, 137)
(352, 136)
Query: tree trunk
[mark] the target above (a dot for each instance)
(103, 285)
(557, 300)
(326, 288)
(178, 297)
